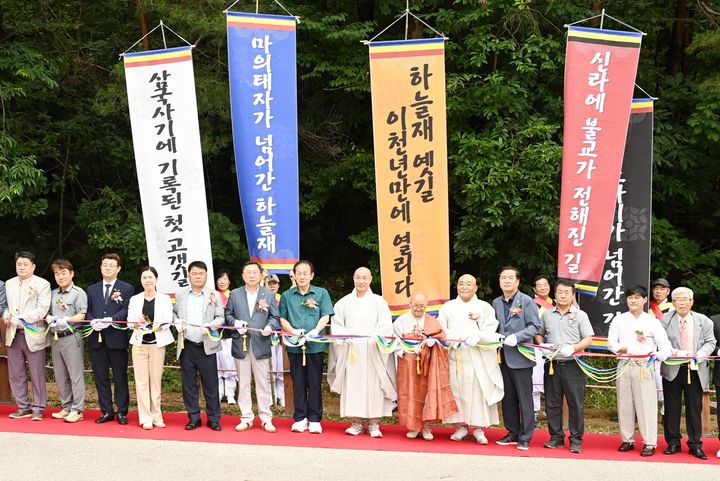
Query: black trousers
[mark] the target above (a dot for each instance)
(194, 361)
(693, 393)
(567, 381)
(307, 391)
(104, 359)
(517, 404)
(717, 396)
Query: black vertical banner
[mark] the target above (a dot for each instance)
(627, 261)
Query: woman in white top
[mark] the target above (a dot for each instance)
(149, 315)
(227, 374)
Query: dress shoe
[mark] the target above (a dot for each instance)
(214, 425)
(698, 453)
(122, 419)
(672, 449)
(625, 447)
(193, 425)
(647, 451)
(105, 418)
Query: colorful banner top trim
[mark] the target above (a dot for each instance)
(407, 48)
(157, 57)
(642, 105)
(266, 22)
(605, 37)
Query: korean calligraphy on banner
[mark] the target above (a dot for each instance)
(627, 262)
(263, 95)
(168, 158)
(600, 68)
(410, 140)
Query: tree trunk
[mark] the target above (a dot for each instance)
(679, 39)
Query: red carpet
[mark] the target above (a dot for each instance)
(596, 446)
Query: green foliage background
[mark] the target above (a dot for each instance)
(67, 177)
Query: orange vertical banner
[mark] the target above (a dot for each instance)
(407, 83)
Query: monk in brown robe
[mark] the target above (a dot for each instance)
(423, 380)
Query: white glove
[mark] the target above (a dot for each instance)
(661, 357)
(312, 333)
(429, 342)
(15, 321)
(298, 332)
(266, 331)
(399, 351)
(97, 325)
(567, 350)
(682, 353)
(546, 345)
(472, 340)
(241, 327)
(50, 319)
(511, 340)
(61, 323)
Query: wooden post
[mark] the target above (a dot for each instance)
(287, 381)
(705, 416)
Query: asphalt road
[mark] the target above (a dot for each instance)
(45, 457)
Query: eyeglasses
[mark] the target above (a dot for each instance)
(683, 299)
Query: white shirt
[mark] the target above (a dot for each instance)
(195, 315)
(641, 335)
(251, 300)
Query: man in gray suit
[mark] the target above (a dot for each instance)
(252, 306)
(691, 335)
(197, 306)
(519, 322)
(28, 299)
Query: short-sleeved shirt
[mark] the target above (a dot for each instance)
(562, 329)
(300, 316)
(68, 303)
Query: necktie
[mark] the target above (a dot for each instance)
(684, 344)
(107, 292)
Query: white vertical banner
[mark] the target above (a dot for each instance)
(168, 157)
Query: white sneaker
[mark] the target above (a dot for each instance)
(427, 433)
(459, 433)
(355, 429)
(231, 400)
(315, 427)
(74, 417)
(60, 414)
(412, 434)
(479, 436)
(374, 430)
(299, 426)
(718, 453)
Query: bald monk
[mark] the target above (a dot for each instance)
(475, 376)
(424, 394)
(359, 371)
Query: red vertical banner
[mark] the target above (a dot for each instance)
(600, 68)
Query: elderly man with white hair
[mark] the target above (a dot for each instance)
(691, 336)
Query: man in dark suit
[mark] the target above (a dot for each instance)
(691, 336)
(107, 302)
(253, 306)
(716, 369)
(519, 322)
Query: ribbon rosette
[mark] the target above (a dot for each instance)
(61, 303)
(262, 305)
(213, 300)
(516, 311)
(473, 316)
(310, 303)
(640, 336)
(116, 296)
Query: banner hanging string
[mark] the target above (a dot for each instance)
(162, 28)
